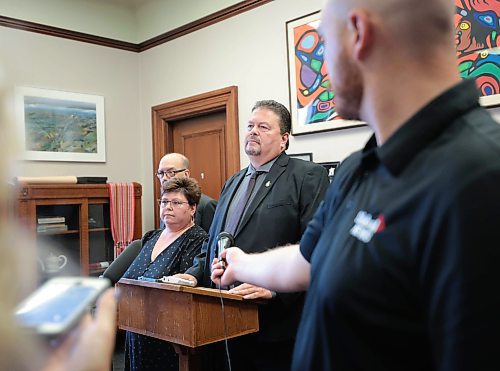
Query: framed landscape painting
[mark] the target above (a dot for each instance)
(61, 126)
(311, 97)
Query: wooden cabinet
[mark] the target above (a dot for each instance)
(71, 222)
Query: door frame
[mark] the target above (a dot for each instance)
(163, 117)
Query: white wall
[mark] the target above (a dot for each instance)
(94, 17)
(132, 20)
(248, 51)
(155, 17)
(34, 60)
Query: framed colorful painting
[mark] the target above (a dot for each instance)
(477, 28)
(311, 98)
(60, 126)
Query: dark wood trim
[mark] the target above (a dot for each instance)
(206, 21)
(163, 115)
(67, 34)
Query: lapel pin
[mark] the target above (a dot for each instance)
(268, 183)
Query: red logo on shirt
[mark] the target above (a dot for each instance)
(381, 225)
(365, 226)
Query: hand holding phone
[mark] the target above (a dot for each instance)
(59, 304)
(89, 346)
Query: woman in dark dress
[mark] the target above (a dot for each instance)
(164, 253)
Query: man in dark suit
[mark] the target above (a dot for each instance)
(286, 194)
(177, 165)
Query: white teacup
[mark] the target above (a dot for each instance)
(53, 263)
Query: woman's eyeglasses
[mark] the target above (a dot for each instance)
(175, 203)
(168, 173)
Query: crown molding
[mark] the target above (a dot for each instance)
(66, 34)
(206, 21)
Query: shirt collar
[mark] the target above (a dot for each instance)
(421, 129)
(263, 169)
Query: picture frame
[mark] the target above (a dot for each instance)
(311, 98)
(60, 126)
(477, 44)
(302, 156)
(330, 168)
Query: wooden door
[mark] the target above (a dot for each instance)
(201, 140)
(205, 129)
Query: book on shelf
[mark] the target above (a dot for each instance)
(51, 219)
(99, 265)
(57, 227)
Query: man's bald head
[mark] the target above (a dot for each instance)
(374, 50)
(413, 24)
(173, 165)
(176, 158)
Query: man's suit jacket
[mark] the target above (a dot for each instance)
(278, 215)
(205, 212)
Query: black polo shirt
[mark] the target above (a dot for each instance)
(405, 249)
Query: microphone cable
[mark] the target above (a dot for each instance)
(224, 240)
(225, 327)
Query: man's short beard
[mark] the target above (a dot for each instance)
(350, 90)
(252, 152)
(348, 110)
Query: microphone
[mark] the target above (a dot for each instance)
(116, 270)
(224, 241)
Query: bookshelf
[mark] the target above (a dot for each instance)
(71, 221)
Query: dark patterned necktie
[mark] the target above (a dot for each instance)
(234, 219)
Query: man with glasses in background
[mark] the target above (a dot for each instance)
(172, 165)
(177, 165)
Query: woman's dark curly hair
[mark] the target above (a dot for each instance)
(187, 186)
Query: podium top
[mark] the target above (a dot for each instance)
(181, 288)
(188, 316)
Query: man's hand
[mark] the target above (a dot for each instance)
(225, 271)
(249, 291)
(218, 269)
(260, 270)
(187, 277)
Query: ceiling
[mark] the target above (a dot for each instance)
(127, 20)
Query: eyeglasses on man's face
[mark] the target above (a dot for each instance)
(175, 203)
(168, 173)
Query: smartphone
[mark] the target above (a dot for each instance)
(59, 304)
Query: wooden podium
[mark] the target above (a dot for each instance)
(188, 317)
